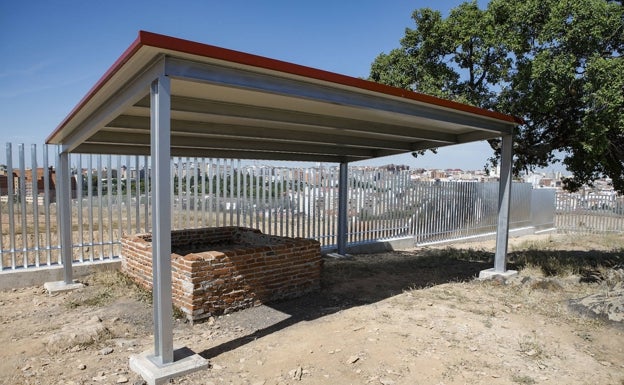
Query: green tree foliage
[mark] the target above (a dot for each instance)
(556, 63)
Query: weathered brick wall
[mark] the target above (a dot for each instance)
(228, 268)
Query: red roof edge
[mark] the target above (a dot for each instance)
(195, 48)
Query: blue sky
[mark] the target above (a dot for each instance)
(54, 51)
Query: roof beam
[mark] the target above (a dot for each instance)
(233, 144)
(254, 115)
(96, 148)
(140, 125)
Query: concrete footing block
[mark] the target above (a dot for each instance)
(491, 273)
(338, 256)
(185, 361)
(61, 286)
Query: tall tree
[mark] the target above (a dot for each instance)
(556, 63)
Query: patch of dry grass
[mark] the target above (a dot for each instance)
(103, 288)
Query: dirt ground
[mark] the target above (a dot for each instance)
(406, 317)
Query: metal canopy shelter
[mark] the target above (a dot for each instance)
(170, 97)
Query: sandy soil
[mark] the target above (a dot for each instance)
(409, 317)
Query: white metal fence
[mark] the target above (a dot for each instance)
(589, 211)
(111, 198)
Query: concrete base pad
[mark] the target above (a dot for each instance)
(61, 286)
(491, 273)
(185, 361)
(338, 256)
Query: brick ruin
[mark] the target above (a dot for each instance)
(219, 270)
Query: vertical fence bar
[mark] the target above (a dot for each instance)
(462, 205)
(147, 183)
(137, 200)
(202, 176)
(286, 216)
(311, 214)
(273, 205)
(265, 202)
(195, 191)
(422, 204)
(333, 209)
(218, 192)
(225, 187)
(432, 201)
(35, 206)
(257, 208)
(46, 202)
(186, 172)
(118, 202)
(385, 213)
(316, 201)
(371, 205)
(172, 187)
(109, 202)
(394, 201)
(247, 197)
(100, 209)
(79, 208)
(231, 194)
(281, 203)
(300, 202)
(175, 193)
(389, 215)
(326, 204)
(238, 191)
(211, 190)
(420, 196)
(231, 189)
(434, 209)
(22, 207)
(11, 203)
(443, 196)
(368, 193)
(128, 180)
(355, 206)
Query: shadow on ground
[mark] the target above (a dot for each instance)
(366, 279)
(362, 280)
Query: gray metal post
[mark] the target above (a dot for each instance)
(343, 196)
(63, 201)
(504, 203)
(161, 219)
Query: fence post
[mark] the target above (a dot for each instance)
(343, 188)
(63, 201)
(504, 204)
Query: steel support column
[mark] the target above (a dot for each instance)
(63, 200)
(161, 219)
(343, 197)
(504, 204)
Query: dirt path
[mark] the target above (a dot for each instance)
(414, 317)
